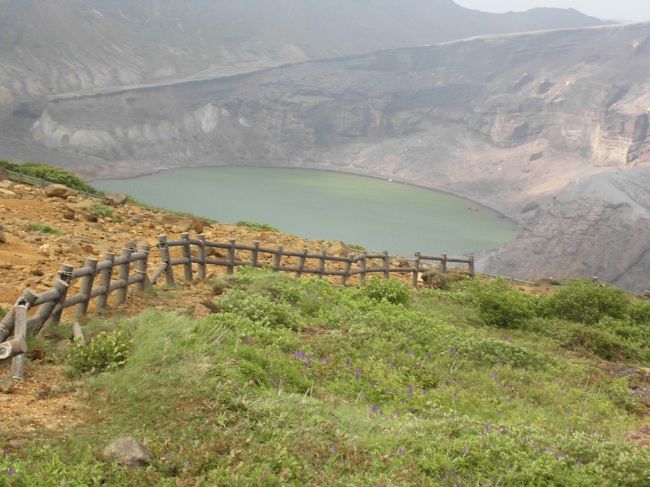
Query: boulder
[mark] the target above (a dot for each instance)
(127, 451)
(115, 199)
(6, 193)
(188, 224)
(201, 311)
(6, 184)
(59, 191)
(338, 248)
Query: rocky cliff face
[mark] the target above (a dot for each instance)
(60, 46)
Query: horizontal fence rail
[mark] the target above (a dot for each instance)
(97, 281)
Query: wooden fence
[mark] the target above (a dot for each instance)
(98, 280)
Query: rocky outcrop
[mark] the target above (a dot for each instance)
(599, 226)
(122, 42)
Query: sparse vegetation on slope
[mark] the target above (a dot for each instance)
(51, 174)
(297, 382)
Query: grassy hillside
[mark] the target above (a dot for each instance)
(297, 382)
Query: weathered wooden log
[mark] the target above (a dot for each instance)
(141, 267)
(231, 257)
(202, 255)
(123, 275)
(8, 322)
(105, 280)
(386, 261)
(77, 333)
(164, 256)
(255, 254)
(65, 276)
(46, 310)
(19, 342)
(416, 271)
(301, 263)
(158, 272)
(362, 268)
(277, 259)
(187, 254)
(346, 271)
(86, 288)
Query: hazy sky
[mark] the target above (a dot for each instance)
(636, 10)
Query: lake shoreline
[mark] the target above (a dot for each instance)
(479, 204)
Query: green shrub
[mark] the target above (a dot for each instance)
(389, 290)
(492, 352)
(101, 210)
(257, 227)
(3, 312)
(499, 305)
(357, 247)
(107, 351)
(51, 174)
(640, 312)
(259, 309)
(587, 302)
(43, 228)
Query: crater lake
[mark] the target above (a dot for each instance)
(377, 214)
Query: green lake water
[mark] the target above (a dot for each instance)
(379, 215)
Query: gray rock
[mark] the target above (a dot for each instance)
(127, 451)
(115, 199)
(59, 191)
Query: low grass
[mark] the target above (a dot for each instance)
(43, 228)
(257, 227)
(296, 382)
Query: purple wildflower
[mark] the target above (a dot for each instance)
(250, 341)
(374, 408)
(357, 373)
(401, 451)
(334, 449)
(465, 450)
(409, 391)
(487, 426)
(453, 351)
(453, 474)
(299, 355)
(348, 361)
(328, 360)
(11, 472)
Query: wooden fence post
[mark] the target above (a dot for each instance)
(301, 263)
(105, 282)
(362, 268)
(123, 275)
(20, 336)
(187, 255)
(255, 255)
(321, 263)
(443, 264)
(202, 254)
(277, 260)
(164, 256)
(65, 275)
(386, 260)
(416, 272)
(471, 266)
(231, 257)
(346, 271)
(141, 268)
(86, 288)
